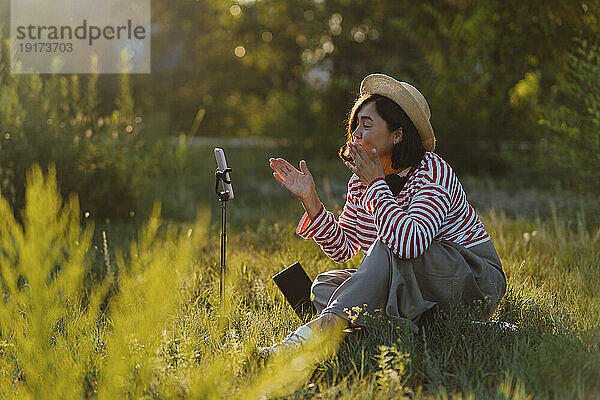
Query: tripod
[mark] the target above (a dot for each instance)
(223, 195)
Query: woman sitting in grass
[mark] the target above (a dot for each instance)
(425, 247)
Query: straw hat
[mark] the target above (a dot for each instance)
(406, 96)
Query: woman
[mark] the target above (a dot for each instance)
(425, 247)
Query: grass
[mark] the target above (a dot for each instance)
(144, 320)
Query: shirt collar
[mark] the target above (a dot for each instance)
(404, 172)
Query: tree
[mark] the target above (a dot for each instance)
(574, 137)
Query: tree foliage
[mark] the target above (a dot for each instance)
(291, 69)
(575, 142)
(56, 120)
(486, 67)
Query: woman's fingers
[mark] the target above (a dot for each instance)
(279, 168)
(351, 167)
(285, 169)
(286, 176)
(361, 153)
(289, 167)
(304, 168)
(358, 155)
(296, 181)
(375, 156)
(278, 175)
(276, 162)
(352, 147)
(278, 172)
(279, 179)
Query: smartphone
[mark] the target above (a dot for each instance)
(222, 165)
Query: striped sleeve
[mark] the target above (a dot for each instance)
(407, 233)
(338, 239)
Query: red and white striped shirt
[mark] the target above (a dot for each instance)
(432, 205)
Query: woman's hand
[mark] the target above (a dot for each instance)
(300, 183)
(366, 168)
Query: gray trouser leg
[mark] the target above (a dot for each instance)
(325, 284)
(382, 282)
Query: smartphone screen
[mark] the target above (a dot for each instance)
(222, 164)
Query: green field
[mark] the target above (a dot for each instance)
(109, 252)
(132, 310)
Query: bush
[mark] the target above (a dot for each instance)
(574, 137)
(109, 160)
(60, 336)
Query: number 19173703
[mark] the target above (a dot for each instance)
(45, 47)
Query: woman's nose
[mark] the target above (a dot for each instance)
(357, 134)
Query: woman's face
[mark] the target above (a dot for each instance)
(372, 133)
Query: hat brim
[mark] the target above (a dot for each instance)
(395, 90)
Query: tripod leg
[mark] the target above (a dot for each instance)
(223, 247)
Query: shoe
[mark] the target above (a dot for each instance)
(292, 342)
(504, 326)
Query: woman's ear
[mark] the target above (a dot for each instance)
(398, 135)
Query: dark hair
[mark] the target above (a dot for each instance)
(409, 151)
